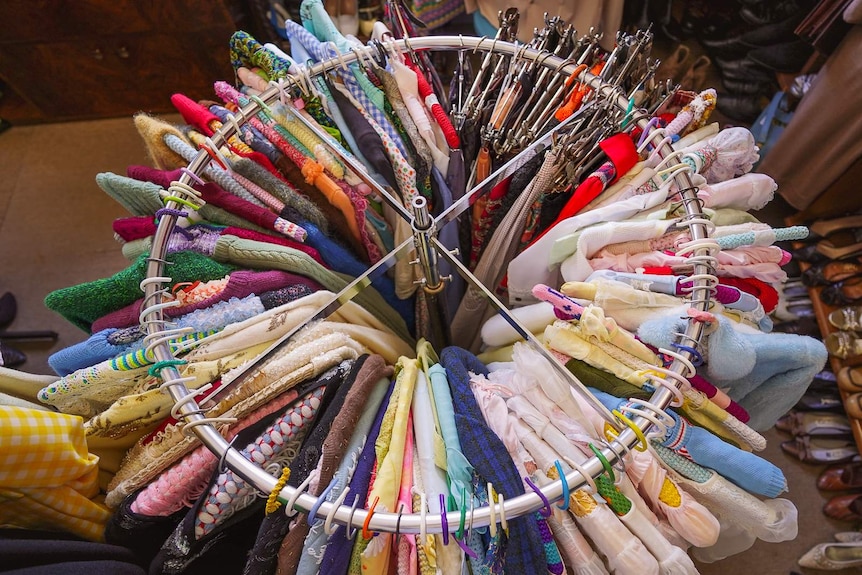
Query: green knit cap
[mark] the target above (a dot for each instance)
(84, 303)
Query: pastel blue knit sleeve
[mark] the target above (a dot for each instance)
(747, 470)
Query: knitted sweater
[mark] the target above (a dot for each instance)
(241, 283)
(84, 303)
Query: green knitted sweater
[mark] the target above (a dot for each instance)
(84, 303)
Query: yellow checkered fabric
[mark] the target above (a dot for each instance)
(47, 476)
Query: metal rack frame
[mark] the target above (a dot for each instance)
(189, 411)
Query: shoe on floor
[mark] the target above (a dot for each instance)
(786, 58)
(8, 309)
(815, 424)
(833, 556)
(847, 292)
(848, 318)
(820, 401)
(850, 379)
(843, 344)
(820, 450)
(11, 357)
(830, 272)
(848, 536)
(853, 405)
(847, 507)
(841, 477)
(740, 108)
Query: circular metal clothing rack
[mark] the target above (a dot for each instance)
(624, 438)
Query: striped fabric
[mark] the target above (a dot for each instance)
(324, 51)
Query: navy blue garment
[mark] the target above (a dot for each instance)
(488, 456)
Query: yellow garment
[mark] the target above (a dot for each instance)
(142, 408)
(23, 385)
(47, 476)
(405, 274)
(275, 323)
(562, 337)
(111, 451)
(594, 324)
(427, 357)
(304, 360)
(153, 132)
(375, 557)
(566, 338)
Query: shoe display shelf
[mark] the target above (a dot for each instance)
(821, 312)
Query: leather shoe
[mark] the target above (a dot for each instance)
(787, 58)
(820, 450)
(770, 12)
(848, 536)
(841, 477)
(815, 424)
(11, 357)
(819, 401)
(8, 309)
(749, 87)
(833, 556)
(831, 272)
(744, 69)
(853, 405)
(844, 507)
(846, 292)
(810, 254)
(740, 108)
(739, 45)
(850, 379)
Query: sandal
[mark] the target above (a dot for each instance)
(850, 379)
(823, 228)
(820, 450)
(843, 293)
(846, 318)
(843, 344)
(837, 252)
(815, 424)
(831, 272)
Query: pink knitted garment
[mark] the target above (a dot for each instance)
(184, 482)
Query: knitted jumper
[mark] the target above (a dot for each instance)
(137, 228)
(84, 303)
(241, 284)
(213, 194)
